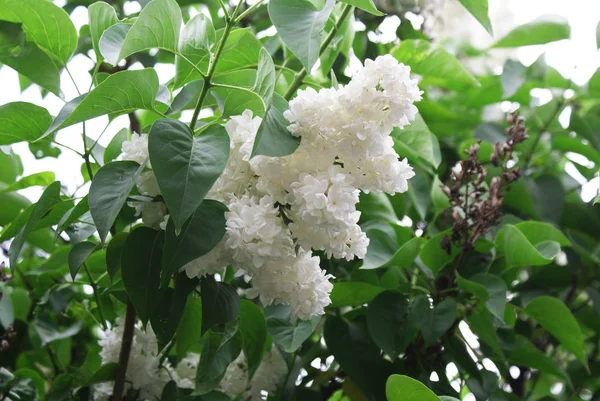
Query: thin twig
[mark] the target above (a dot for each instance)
(97, 296)
(126, 343)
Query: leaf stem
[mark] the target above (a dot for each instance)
(303, 72)
(97, 296)
(126, 343)
(248, 11)
(213, 65)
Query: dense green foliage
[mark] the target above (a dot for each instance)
(525, 283)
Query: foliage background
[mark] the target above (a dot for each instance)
(480, 342)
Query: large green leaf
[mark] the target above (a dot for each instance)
(220, 303)
(253, 327)
(438, 320)
(479, 10)
(435, 64)
(265, 76)
(496, 289)
(140, 269)
(548, 28)
(300, 24)
(109, 190)
(433, 256)
(554, 316)
(22, 121)
(42, 179)
(219, 349)
(47, 201)
(287, 332)
(273, 138)
(353, 293)
(525, 353)
(120, 93)
(186, 166)
(101, 17)
(366, 5)
(12, 204)
(113, 254)
(78, 255)
(404, 388)
(196, 40)
(111, 41)
(36, 65)
(389, 324)
(518, 251)
(201, 233)
(48, 25)
(415, 141)
(189, 330)
(157, 26)
(166, 316)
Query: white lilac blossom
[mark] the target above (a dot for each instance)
(283, 208)
(144, 372)
(267, 379)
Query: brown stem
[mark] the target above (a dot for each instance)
(125, 351)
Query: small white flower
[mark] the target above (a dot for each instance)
(136, 149)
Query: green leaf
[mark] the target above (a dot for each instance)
(496, 289)
(49, 333)
(48, 25)
(472, 287)
(525, 353)
(253, 327)
(382, 248)
(437, 322)
(220, 303)
(219, 349)
(113, 150)
(140, 269)
(201, 233)
(552, 314)
(366, 5)
(353, 293)
(189, 330)
(109, 190)
(404, 388)
(186, 166)
(196, 40)
(435, 64)
(415, 141)
(545, 29)
(101, 17)
(273, 138)
(105, 373)
(537, 232)
(36, 65)
(479, 10)
(598, 36)
(299, 24)
(433, 256)
(518, 251)
(21, 121)
(170, 392)
(111, 41)
(265, 76)
(12, 205)
(113, 254)
(512, 78)
(167, 314)
(47, 201)
(157, 26)
(287, 332)
(78, 255)
(38, 179)
(389, 324)
(482, 324)
(120, 93)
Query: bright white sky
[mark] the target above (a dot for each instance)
(580, 51)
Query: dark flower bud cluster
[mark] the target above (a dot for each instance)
(475, 204)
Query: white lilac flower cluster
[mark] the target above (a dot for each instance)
(283, 208)
(267, 379)
(146, 374)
